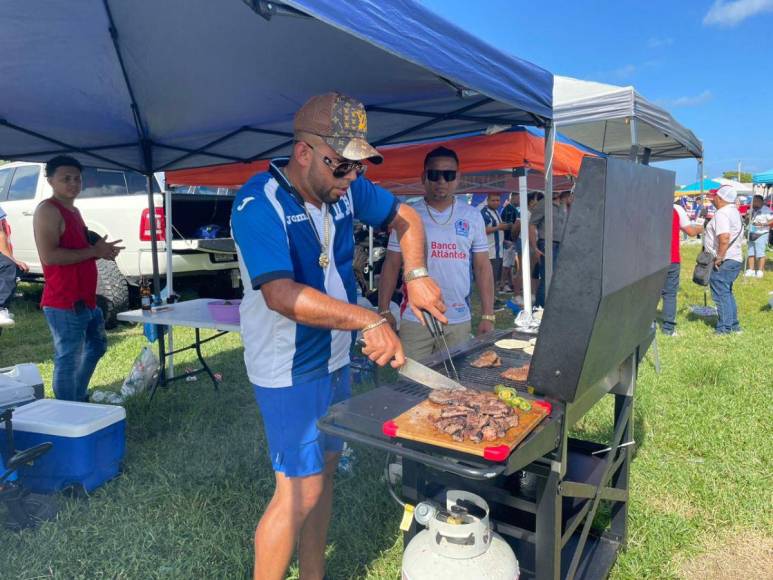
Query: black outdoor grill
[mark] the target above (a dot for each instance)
(596, 327)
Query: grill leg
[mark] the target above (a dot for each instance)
(618, 528)
(547, 561)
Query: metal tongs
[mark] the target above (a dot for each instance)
(438, 334)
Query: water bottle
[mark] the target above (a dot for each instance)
(346, 463)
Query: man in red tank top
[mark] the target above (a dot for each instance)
(679, 223)
(70, 270)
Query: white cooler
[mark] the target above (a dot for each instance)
(14, 393)
(27, 374)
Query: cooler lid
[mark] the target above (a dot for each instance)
(12, 391)
(65, 418)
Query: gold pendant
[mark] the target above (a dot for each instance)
(324, 262)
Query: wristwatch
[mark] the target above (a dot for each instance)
(489, 317)
(415, 273)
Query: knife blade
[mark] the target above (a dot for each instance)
(424, 375)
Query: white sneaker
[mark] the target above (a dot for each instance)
(760, 273)
(749, 274)
(6, 320)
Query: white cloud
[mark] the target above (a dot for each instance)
(732, 12)
(623, 72)
(656, 42)
(687, 101)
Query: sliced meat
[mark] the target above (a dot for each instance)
(456, 411)
(451, 425)
(489, 433)
(447, 396)
(469, 415)
(516, 373)
(487, 360)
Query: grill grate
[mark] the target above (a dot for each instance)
(485, 379)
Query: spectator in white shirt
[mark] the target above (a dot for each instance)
(456, 248)
(760, 222)
(723, 240)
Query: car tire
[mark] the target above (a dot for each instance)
(112, 291)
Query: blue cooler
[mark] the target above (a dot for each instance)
(89, 443)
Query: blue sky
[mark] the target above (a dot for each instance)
(710, 63)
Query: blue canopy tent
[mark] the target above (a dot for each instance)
(764, 178)
(152, 86)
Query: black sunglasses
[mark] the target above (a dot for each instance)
(343, 168)
(447, 174)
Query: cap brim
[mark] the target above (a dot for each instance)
(355, 148)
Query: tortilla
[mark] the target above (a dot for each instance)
(511, 343)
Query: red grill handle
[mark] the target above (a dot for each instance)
(498, 453)
(389, 429)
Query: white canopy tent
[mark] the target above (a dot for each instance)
(741, 188)
(613, 119)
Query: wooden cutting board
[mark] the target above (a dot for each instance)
(415, 425)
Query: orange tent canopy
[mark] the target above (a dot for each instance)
(516, 147)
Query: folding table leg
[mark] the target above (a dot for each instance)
(204, 364)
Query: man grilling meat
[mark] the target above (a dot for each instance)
(293, 229)
(456, 248)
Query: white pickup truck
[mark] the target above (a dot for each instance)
(115, 203)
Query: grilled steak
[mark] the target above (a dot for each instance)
(516, 374)
(447, 396)
(487, 360)
(469, 415)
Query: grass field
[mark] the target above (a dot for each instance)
(197, 476)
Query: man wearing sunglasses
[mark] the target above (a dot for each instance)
(456, 246)
(293, 227)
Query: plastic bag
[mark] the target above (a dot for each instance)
(143, 374)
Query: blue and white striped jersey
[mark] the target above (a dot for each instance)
(275, 240)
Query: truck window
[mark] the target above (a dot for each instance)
(24, 183)
(102, 183)
(138, 183)
(5, 179)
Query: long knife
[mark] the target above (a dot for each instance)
(426, 376)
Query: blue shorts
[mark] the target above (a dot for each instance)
(757, 247)
(296, 447)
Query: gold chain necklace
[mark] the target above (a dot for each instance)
(432, 217)
(324, 243)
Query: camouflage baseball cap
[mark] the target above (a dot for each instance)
(341, 122)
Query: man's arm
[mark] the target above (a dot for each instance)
(5, 249)
(693, 230)
(423, 293)
(723, 242)
(308, 306)
(484, 280)
(387, 282)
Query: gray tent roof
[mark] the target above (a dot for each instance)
(598, 116)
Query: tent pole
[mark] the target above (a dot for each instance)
(634, 141)
(700, 177)
(148, 155)
(550, 135)
(370, 258)
(523, 190)
(169, 272)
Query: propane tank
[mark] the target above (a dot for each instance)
(458, 543)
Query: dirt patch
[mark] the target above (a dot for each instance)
(737, 555)
(669, 504)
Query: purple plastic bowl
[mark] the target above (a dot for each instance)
(225, 311)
